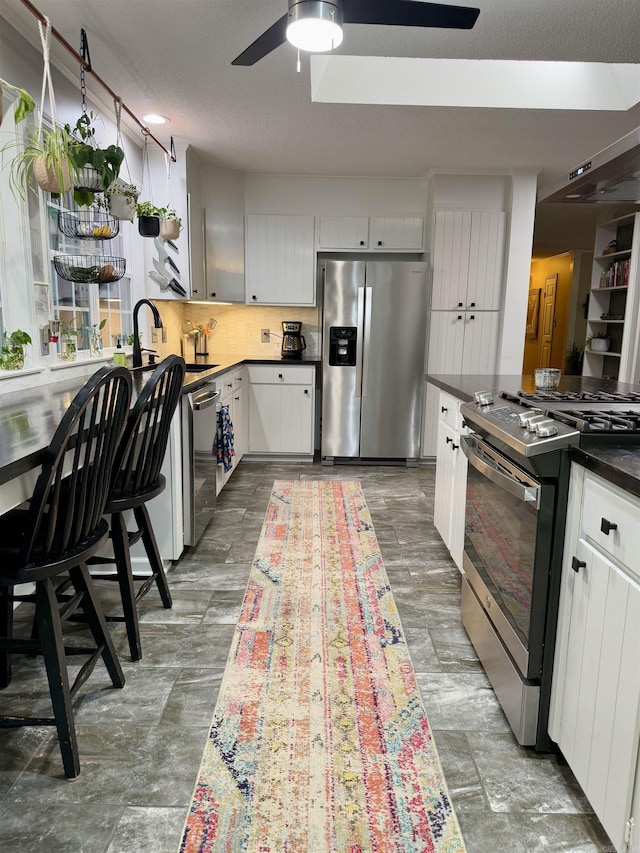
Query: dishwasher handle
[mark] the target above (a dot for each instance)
(203, 399)
(499, 470)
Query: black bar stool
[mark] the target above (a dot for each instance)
(137, 480)
(56, 532)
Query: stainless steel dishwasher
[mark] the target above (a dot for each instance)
(199, 463)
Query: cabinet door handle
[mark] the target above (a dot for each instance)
(443, 409)
(362, 242)
(472, 305)
(607, 526)
(577, 564)
(449, 439)
(254, 297)
(213, 296)
(472, 316)
(454, 446)
(459, 317)
(306, 392)
(279, 376)
(379, 242)
(236, 398)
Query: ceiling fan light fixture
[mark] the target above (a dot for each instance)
(315, 25)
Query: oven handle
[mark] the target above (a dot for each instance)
(488, 462)
(203, 400)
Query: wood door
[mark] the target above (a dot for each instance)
(548, 319)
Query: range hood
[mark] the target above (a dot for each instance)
(610, 176)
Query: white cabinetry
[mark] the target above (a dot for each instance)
(451, 477)
(342, 232)
(281, 409)
(614, 302)
(465, 318)
(595, 701)
(280, 260)
(468, 260)
(224, 256)
(378, 233)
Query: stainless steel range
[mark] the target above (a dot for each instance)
(514, 533)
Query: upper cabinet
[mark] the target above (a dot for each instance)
(379, 233)
(280, 260)
(468, 260)
(342, 232)
(404, 233)
(612, 345)
(223, 233)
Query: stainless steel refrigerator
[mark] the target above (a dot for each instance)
(373, 354)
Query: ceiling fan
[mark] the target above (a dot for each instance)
(316, 25)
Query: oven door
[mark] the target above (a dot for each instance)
(507, 549)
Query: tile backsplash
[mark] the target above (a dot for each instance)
(238, 328)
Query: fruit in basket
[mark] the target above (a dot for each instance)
(107, 273)
(84, 229)
(102, 231)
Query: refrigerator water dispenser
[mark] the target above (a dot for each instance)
(342, 346)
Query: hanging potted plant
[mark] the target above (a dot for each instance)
(121, 199)
(170, 224)
(96, 168)
(148, 219)
(46, 157)
(12, 353)
(25, 104)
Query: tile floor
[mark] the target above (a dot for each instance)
(141, 746)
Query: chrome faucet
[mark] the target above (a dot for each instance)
(157, 322)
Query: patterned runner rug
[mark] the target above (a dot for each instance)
(319, 741)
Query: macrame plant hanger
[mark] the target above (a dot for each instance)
(170, 224)
(54, 177)
(123, 195)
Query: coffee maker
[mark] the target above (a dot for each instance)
(293, 341)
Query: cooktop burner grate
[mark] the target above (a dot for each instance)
(600, 420)
(583, 396)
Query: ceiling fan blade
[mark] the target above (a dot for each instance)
(409, 13)
(264, 44)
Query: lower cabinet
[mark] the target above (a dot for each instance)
(281, 409)
(451, 477)
(595, 702)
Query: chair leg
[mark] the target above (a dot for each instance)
(151, 547)
(120, 540)
(82, 582)
(50, 632)
(6, 630)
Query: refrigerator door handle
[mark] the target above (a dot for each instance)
(367, 341)
(359, 334)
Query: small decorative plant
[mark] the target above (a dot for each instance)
(12, 353)
(599, 342)
(46, 158)
(96, 168)
(95, 338)
(148, 219)
(25, 104)
(170, 223)
(68, 342)
(121, 199)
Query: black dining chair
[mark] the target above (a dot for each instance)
(137, 479)
(55, 533)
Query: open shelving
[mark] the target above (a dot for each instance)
(613, 301)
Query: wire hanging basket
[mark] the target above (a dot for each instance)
(88, 224)
(94, 269)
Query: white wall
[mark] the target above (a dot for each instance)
(335, 196)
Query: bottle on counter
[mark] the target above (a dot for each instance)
(119, 356)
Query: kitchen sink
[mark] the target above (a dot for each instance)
(199, 368)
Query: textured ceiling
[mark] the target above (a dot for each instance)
(173, 57)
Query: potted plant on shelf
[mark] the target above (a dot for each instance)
(170, 224)
(12, 354)
(148, 219)
(599, 342)
(96, 168)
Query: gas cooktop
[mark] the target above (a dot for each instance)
(598, 412)
(575, 396)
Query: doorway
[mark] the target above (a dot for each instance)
(550, 288)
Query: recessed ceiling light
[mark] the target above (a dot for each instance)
(154, 118)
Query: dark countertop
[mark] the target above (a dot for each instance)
(618, 463)
(28, 418)
(464, 387)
